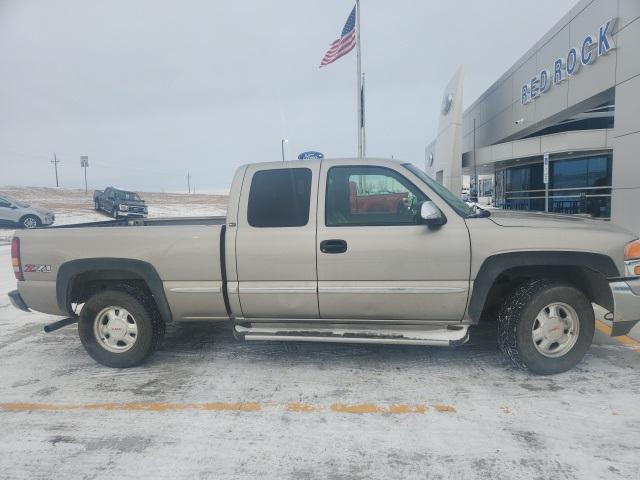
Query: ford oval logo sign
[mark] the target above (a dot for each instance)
(447, 101)
(310, 155)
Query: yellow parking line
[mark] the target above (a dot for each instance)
(445, 408)
(301, 407)
(362, 408)
(371, 408)
(623, 339)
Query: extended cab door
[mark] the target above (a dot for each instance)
(275, 241)
(375, 260)
(108, 199)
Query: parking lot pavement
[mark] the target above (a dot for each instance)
(206, 406)
(635, 333)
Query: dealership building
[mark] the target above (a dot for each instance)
(560, 130)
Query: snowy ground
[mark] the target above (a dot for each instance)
(206, 406)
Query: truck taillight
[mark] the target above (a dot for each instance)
(15, 258)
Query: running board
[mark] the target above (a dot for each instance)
(447, 336)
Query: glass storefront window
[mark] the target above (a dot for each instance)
(485, 187)
(582, 172)
(527, 177)
(523, 186)
(498, 200)
(577, 185)
(568, 173)
(599, 172)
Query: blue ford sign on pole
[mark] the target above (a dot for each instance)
(310, 155)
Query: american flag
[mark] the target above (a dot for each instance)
(344, 44)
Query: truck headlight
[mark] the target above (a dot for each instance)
(123, 208)
(632, 258)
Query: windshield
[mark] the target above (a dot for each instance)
(129, 196)
(15, 202)
(452, 200)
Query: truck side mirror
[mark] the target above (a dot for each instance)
(431, 215)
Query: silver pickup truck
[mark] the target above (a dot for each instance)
(369, 251)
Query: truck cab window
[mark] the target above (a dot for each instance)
(280, 198)
(362, 195)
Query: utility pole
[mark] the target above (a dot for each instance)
(55, 162)
(189, 181)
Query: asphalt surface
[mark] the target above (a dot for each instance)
(206, 406)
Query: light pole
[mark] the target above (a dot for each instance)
(474, 198)
(282, 142)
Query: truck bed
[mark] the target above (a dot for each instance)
(182, 253)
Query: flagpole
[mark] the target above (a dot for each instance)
(359, 68)
(364, 119)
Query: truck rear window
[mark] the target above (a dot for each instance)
(280, 198)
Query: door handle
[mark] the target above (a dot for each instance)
(333, 246)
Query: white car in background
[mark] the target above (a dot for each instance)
(13, 212)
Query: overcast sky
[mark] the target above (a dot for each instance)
(151, 89)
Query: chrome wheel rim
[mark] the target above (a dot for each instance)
(115, 329)
(555, 330)
(30, 222)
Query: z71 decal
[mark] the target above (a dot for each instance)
(37, 268)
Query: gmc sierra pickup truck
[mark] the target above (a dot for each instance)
(295, 259)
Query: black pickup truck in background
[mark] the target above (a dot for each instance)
(119, 203)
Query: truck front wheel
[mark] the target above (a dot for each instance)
(546, 326)
(120, 327)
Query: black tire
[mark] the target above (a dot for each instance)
(150, 326)
(516, 320)
(30, 221)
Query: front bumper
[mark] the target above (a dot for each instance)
(626, 299)
(17, 301)
(132, 214)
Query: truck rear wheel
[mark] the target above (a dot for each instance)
(546, 326)
(120, 327)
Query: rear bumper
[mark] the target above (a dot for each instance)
(17, 301)
(626, 298)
